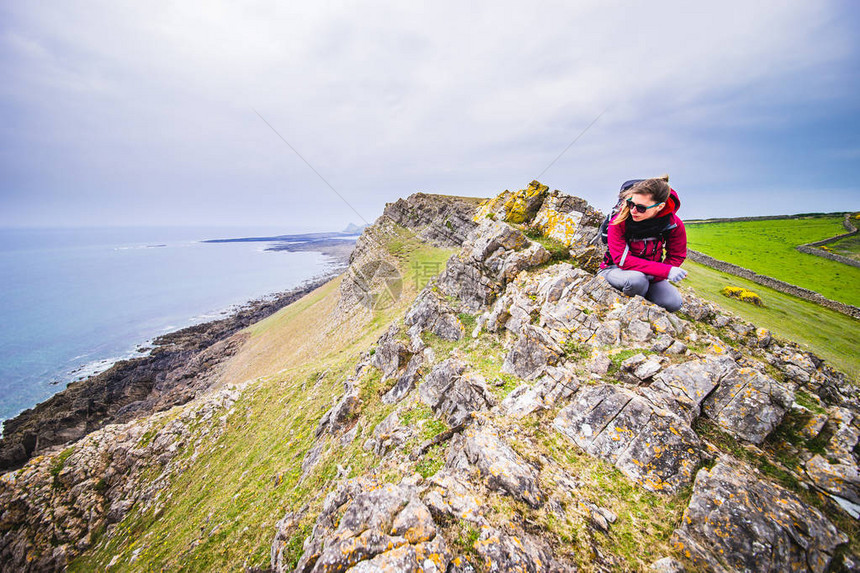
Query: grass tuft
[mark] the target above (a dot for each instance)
(742, 294)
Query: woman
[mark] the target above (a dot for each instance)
(647, 243)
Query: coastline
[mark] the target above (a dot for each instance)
(174, 367)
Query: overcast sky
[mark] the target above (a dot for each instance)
(145, 113)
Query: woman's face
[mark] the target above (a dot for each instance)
(645, 200)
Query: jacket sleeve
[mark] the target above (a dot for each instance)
(676, 245)
(616, 245)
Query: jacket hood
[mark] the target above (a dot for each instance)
(673, 203)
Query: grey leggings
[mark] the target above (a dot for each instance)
(632, 283)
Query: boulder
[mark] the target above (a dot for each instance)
(431, 313)
(737, 521)
(532, 352)
(500, 466)
(748, 404)
(370, 526)
(649, 444)
(514, 553)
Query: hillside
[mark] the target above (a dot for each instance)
(468, 396)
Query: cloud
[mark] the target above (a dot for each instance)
(137, 107)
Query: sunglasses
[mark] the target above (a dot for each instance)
(640, 208)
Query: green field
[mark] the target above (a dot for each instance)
(827, 333)
(849, 247)
(767, 247)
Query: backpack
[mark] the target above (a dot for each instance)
(604, 226)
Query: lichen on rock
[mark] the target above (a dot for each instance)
(651, 445)
(736, 521)
(371, 526)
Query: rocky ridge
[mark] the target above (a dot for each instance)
(686, 382)
(515, 416)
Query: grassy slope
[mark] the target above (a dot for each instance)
(767, 247)
(831, 335)
(222, 511)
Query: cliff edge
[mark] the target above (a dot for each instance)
(469, 396)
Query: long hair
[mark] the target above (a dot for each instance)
(657, 187)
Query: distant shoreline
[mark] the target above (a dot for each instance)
(335, 245)
(127, 389)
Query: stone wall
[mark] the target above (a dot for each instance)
(812, 248)
(773, 283)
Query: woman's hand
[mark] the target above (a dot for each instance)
(676, 274)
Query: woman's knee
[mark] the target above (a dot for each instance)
(635, 283)
(675, 304)
(665, 295)
(630, 283)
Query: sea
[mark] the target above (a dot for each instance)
(74, 301)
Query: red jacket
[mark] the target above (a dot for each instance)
(653, 257)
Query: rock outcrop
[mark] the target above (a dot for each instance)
(646, 442)
(649, 415)
(737, 522)
(500, 466)
(368, 526)
(438, 219)
(491, 257)
(58, 505)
